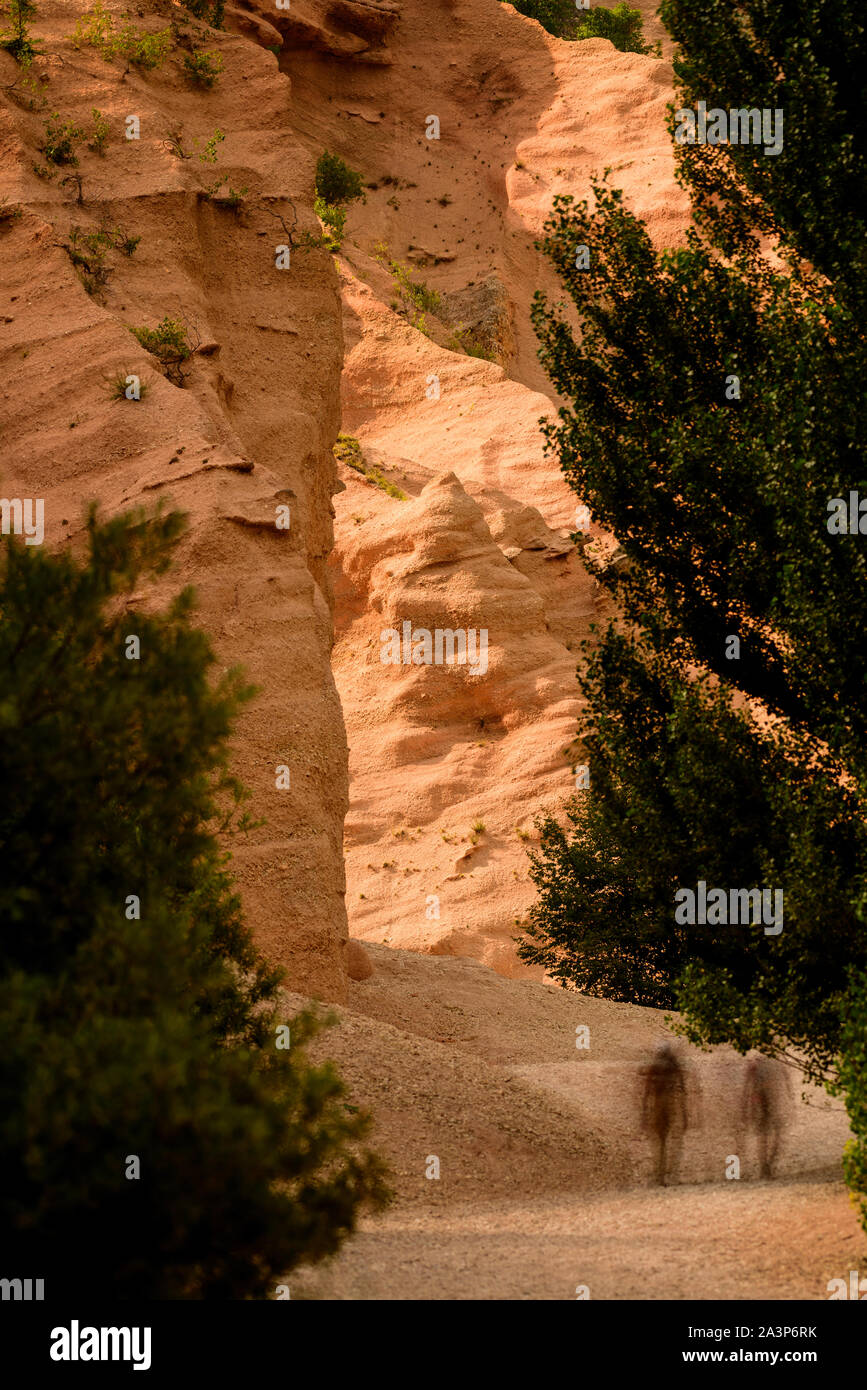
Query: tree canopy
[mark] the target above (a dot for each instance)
(162, 1132)
(715, 426)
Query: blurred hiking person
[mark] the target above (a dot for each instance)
(766, 1105)
(664, 1110)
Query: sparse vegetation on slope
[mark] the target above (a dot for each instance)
(212, 11)
(348, 450)
(15, 36)
(415, 299)
(170, 344)
(101, 132)
(9, 212)
(60, 140)
(139, 47)
(124, 385)
(87, 251)
(203, 68)
(468, 341)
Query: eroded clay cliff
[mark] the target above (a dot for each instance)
(251, 429)
(465, 120)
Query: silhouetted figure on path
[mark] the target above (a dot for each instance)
(766, 1106)
(664, 1110)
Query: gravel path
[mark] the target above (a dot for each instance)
(545, 1183)
(763, 1241)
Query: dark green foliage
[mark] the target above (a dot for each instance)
(152, 1037)
(60, 140)
(685, 788)
(853, 1084)
(557, 16)
(203, 68)
(742, 772)
(336, 184)
(170, 344)
(720, 506)
(212, 11)
(622, 25)
(809, 62)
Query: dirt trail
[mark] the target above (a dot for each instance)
(545, 1184)
(767, 1241)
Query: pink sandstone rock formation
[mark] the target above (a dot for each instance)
(484, 536)
(483, 539)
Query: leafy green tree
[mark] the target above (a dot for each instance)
(623, 26)
(808, 63)
(715, 412)
(684, 788)
(559, 17)
(562, 18)
(157, 1138)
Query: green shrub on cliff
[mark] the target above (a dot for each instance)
(169, 342)
(15, 37)
(212, 11)
(139, 47)
(203, 67)
(60, 140)
(335, 186)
